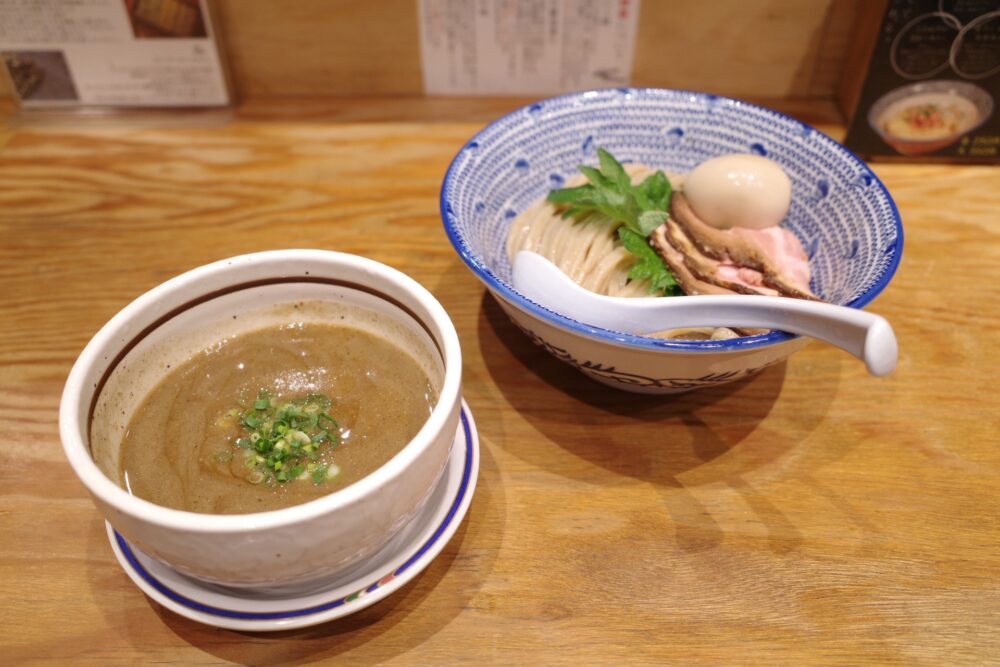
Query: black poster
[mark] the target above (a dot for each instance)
(933, 84)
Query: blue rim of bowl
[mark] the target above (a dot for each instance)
(185, 601)
(644, 342)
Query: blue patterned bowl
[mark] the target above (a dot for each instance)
(842, 213)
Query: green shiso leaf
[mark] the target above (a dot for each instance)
(639, 208)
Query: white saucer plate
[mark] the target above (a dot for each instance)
(405, 556)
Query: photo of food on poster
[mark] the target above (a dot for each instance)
(120, 53)
(932, 85)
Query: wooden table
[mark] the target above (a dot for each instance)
(811, 514)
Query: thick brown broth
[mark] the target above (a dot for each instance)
(180, 447)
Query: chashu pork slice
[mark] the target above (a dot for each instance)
(691, 284)
(766, 261)
(722, 273)
(674, 259)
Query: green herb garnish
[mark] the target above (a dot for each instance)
(283, 442)
(322, 471)
(640, 208)
(650, 264)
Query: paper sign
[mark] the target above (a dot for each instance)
(66, 53)
(535, 47)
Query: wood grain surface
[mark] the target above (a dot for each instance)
(809, 515)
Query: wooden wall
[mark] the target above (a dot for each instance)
(779, 49)
(745, 48)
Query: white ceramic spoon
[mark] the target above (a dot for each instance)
(867, 336)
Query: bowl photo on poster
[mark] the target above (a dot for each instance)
(925, 117)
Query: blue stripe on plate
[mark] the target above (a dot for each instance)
(293, 613)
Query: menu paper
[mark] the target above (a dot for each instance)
(128, 53)
(531, 47)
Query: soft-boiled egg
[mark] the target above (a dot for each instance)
(739, 191)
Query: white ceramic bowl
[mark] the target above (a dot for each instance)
(298, 544)
(841, 212)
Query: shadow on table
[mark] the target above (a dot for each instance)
(712, 436)
(426, 604)
(655, 438)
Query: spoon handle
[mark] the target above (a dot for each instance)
(865, 335)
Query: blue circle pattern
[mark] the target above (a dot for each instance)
(841, 212)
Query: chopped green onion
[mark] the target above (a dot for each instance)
(319, 473)
(286, 441)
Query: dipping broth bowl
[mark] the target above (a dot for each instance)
(844, 216)
(167, 326)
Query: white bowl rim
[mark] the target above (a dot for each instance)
(74, 439)
(619, 338)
